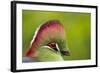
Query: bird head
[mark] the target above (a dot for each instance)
(52, 34)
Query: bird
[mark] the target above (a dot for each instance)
(52, 35)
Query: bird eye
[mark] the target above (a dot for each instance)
(53, 45)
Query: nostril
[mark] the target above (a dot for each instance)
(66, 53)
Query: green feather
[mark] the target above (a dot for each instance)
(48, 54)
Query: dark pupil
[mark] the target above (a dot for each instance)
(53, 45)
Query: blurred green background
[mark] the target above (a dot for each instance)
(77, 27)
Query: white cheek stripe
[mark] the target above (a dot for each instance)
(45, 46)
(57, 47)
